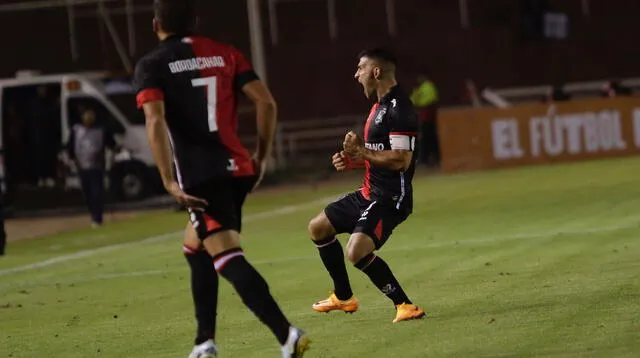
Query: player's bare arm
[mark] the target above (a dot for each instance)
(266, 118)
(394, 159)
(159, 142)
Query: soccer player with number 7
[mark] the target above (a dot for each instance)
(187, 87)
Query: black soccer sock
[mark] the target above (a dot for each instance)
(381, 275)
(253, 290)
(204, 288)
(333, 259)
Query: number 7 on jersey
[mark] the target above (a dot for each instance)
(211, 83)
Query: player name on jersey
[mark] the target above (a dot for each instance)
(199, 84)
(197, 63)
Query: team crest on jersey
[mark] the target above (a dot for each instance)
(380, 115)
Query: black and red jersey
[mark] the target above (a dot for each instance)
(198, 79)
(392, 124)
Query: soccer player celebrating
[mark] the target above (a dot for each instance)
(187, 87)
(371, 213)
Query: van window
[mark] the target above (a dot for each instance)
(121, 93)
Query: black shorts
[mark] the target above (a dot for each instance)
(353, 213)
(226, 197)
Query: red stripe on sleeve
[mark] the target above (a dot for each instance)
(149, 95)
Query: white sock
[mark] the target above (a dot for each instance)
(292, 337)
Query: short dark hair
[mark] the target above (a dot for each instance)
(380, 54)
(176, 16)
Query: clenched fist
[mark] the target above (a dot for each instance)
(352, 144)
(340, 161)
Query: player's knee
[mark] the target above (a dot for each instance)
(319, 228)
(191, 238)
(358, 247)
(355, 254)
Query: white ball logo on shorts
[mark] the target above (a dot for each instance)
(194, 220)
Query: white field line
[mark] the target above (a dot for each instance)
(473, 241)
(476, 241)
(285, 210)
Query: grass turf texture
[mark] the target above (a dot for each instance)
(540, 261)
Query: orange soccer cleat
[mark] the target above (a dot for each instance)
(407, 311)
(334, 304)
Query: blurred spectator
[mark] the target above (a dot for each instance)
(44, 128)
(614, 89)
(86, 147)
(425, 99)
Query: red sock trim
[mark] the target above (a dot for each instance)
(189, 250)
(221, 260)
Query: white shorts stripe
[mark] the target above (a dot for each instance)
(175, 160)
(401, 191)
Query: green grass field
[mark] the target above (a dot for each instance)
(531, 262)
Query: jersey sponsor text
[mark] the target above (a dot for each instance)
(374, 146)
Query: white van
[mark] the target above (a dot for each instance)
(131, 171)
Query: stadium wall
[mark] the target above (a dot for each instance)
(488, 138)
(39, 39)
(493, 51)
(311, 73)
